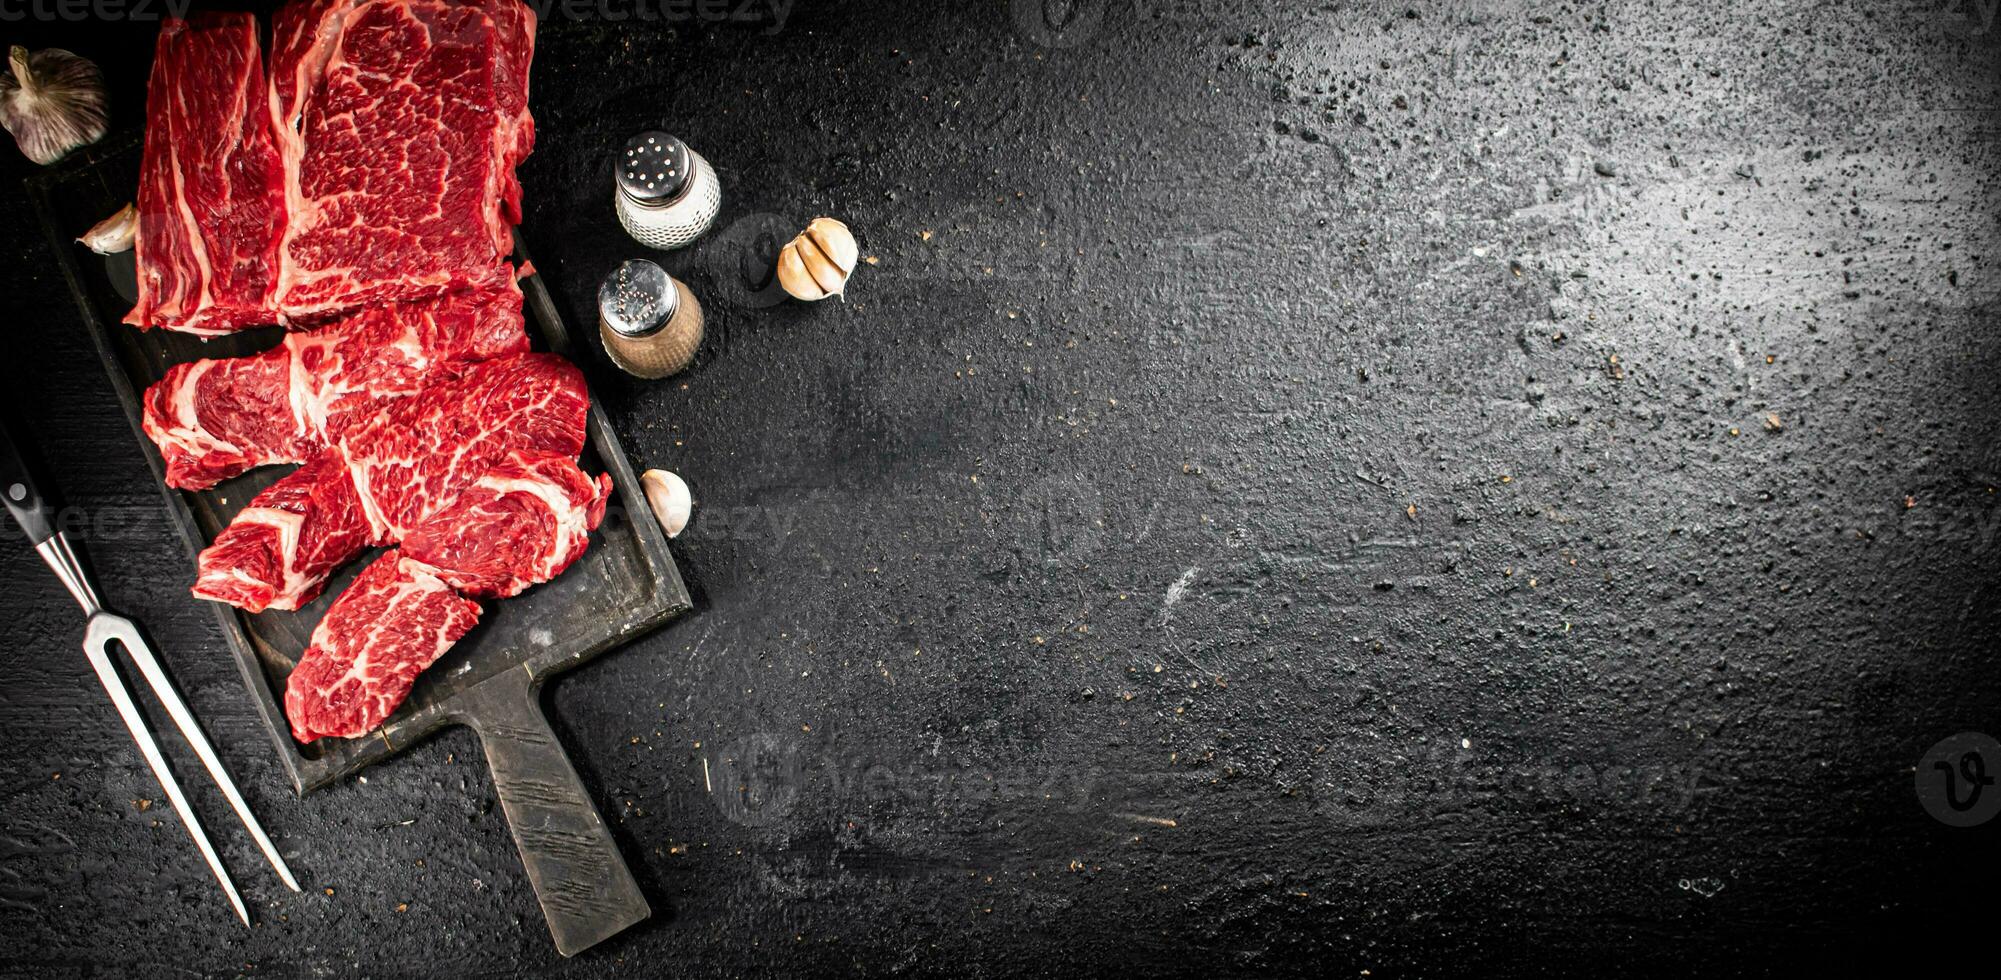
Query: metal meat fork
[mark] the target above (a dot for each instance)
(32, 511)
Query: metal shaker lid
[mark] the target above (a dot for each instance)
(637, 298)
(653, 168)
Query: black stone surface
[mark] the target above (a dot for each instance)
(1488, 488)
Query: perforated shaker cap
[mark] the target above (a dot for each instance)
(637, 299)
(653, 168)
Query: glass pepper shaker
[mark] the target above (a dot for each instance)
(667, 195)
(649, 322)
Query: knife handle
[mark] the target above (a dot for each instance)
(24, 500)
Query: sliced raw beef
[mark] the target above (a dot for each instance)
(413, 458)
(397, 467)
(214, 419)
(211, 195)
(395, 620)
(374, 163)
(365, 187)
(279, 550)
(400, 349)
(400, 123)
(522, 523)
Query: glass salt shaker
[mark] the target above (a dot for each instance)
(667, 194)
(649, 322)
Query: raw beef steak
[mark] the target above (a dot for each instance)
(407, 461)
(395, 620)
(414, 457)
(522, 523)
(278, 551)
(375, 162)
(400, 123)
(214, 419)
(211, 196)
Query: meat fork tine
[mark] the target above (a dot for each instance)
(103, 629)
(135, 644)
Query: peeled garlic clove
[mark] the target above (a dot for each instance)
(817, 263)
(669, 498)
(113, 234)
(52, 101)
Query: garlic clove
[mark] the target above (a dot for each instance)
(668, 496)
(825, 273)
(794, 278)
(835, 241)
(113, 234)
(52, 101)
(816, 264)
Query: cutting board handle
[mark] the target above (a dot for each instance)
(586, 891)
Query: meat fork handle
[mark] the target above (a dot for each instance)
(24, 499)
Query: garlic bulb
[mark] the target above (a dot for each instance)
(817, 264)
(113, 234)
(52, 101)
(668, 495)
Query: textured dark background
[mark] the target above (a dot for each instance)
(1399, 488)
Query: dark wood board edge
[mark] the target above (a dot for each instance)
(670, 592)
